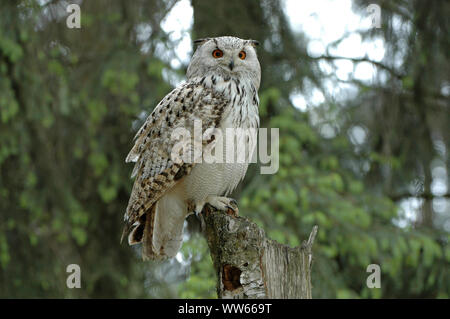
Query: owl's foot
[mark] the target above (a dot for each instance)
(225, 204)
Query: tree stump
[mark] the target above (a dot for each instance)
(249, 265)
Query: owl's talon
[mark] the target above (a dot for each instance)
(233, 209)
(233, 212)
(225, 204)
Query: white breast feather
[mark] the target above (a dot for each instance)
(221, 179)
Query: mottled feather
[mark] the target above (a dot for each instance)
(155, 171)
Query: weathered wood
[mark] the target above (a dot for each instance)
(249, 265)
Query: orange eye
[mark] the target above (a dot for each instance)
(242, 55)
(217, 53)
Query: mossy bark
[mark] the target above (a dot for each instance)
(249, 265)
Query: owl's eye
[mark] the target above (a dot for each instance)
(217, 53)
(242, 55)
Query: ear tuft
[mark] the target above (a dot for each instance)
(253, 43)
(201, 41)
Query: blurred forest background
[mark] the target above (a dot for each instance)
(368, 161)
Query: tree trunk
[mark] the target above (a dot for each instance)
(249, 265)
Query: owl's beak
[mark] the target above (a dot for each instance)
(231, 65)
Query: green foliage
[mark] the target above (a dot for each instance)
(201, 282)
(66, 107)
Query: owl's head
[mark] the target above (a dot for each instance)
(226, 56)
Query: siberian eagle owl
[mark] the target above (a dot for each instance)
(221, 92)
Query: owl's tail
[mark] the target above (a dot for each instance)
(160, 229)
(135, 232)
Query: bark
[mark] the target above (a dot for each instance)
(249, 265)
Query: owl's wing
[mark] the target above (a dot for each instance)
(155, 170)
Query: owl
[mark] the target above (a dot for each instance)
(220, 92)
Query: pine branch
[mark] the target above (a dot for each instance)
(426, 196)
(358, 60)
